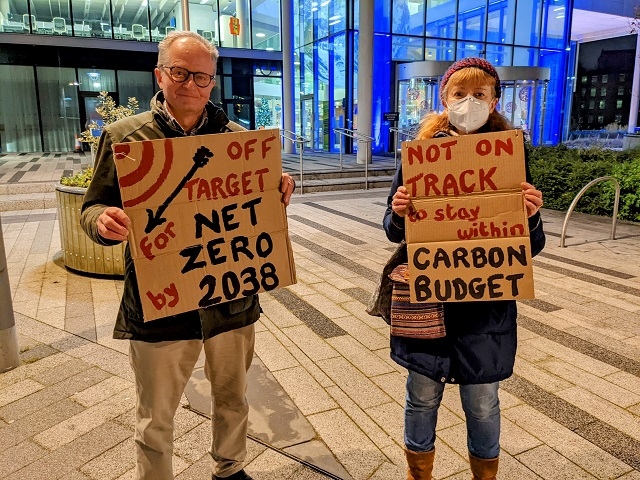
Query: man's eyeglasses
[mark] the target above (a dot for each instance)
(181, 75)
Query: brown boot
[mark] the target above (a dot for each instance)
(420, 464)
(483, 469)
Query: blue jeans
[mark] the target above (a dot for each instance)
(479, 402)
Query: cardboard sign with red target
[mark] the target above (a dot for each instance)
(207, 222)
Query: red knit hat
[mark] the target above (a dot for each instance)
(480, 63)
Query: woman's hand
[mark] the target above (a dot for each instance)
(532, 198)
(400, 202)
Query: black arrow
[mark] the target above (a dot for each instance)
(200, 159)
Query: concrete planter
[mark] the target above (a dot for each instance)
(631, 140)
(79, 251)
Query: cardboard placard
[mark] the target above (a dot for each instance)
(207, 221)
(466, 228)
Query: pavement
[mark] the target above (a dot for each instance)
(326, 400)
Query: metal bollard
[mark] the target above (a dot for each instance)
(9, 353)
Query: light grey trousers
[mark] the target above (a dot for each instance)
(162, 371)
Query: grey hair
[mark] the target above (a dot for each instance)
(165, 45)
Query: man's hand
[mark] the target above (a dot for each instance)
(401, 201)
(532, 198)
(287, 184)
(113, 224)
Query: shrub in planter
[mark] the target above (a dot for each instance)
(80, 253)
(628, 175)
(110, 112)
(561, 172)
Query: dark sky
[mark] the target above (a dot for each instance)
(590, 51)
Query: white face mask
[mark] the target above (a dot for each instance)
(468, 114)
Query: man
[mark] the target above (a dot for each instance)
(163, 352)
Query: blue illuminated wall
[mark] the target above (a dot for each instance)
(506, 32)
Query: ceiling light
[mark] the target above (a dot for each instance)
(260, 35)
(269, 49)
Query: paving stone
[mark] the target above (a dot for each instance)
(365, 422)
(607, 390)
(63, 461)
(273, 353)
(306, 393)
(317, 453)
(111, 464)
(354, 450)
(315, 347)
(359, 388)
(359, 356)
(605, 411)
(550, 465)
(76, 426)
(18, 391)
(18, 456)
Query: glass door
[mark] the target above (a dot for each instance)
(416, 98)
(307, 120)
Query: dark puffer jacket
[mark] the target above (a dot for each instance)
(481, 339)
(104, 192)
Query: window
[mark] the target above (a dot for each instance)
(584, 92)
(600, 119)
(582, 105)
(622, 77)
(620, 90)
(265, 19)
(59, 107)
(590, 119)
(592, 105)
(92, 80)
(602, 105)
(406, 48)
(203, 19)
(499, 54)
(501, 21)
(19, 112)
(594, 79)
(619, 104)
(235, 24)
(95, 20)
(605, 78)
(618, 118)
(603, 92)
(584, 79)
(441, 18)
(408, 17)
(593, 92)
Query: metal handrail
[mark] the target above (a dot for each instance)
(400, 131)
(297, 139)
(579, 195)
(360, 137)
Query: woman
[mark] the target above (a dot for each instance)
(479, 348)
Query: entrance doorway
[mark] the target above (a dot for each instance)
(524, 93)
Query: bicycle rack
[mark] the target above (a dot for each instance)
(579, 195)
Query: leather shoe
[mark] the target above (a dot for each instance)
(241, 475)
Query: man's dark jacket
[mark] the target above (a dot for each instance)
(104, 192)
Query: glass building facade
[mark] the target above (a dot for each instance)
(56, 56)
(505, 32)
